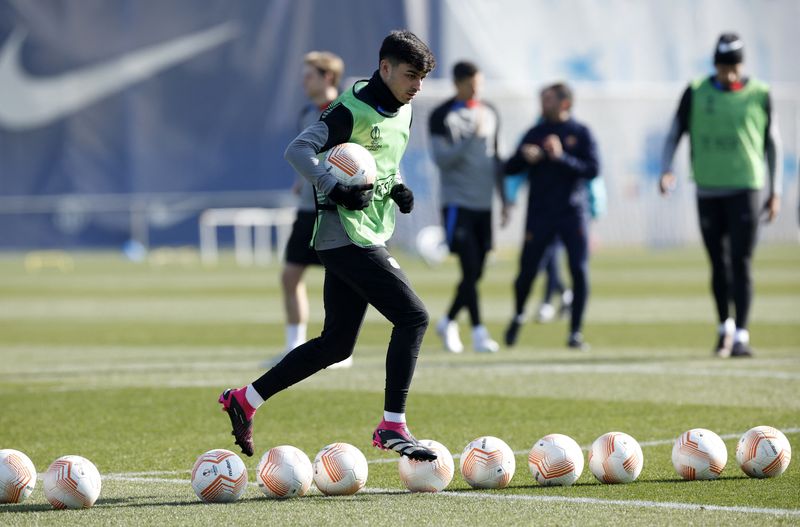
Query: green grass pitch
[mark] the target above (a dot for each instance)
(122, 363)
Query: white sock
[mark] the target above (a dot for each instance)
(253, 397)
(394, 417)
(728, 327)
(295, 335)
(742, 335)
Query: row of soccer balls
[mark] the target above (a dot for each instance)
(341, 469)
(486, 463)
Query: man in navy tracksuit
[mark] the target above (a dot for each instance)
(560, 156)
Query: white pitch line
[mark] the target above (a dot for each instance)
(657, 368)
(625, 503)
(137, 479)
(672, 505)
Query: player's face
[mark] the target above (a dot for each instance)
(551, 105)
(314, 82)
(728, 74)
(403, 80)
(469, 88)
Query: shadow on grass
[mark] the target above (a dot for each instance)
(46, 507)
(681, 480)
(153, 501)
(156, 501)
(596, 484)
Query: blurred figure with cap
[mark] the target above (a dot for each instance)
(732, 131)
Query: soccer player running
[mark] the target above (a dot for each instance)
(353, 225)
(560, 156)
(731, 130)
(322, 74)
(464, 142)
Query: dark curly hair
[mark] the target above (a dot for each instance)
(405, 46)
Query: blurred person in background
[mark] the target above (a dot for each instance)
(547, 312)
(463, 132)
(322, 74)
(353, 225)
(560, 156)
(732, 131)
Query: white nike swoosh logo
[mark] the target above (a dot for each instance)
(29, 102)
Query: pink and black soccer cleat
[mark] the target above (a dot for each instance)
(241, 413)
(395, 436)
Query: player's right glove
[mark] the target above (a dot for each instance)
(354, 197)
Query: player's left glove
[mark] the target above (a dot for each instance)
(404, 198)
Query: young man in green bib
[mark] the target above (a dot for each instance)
(353, 225)
(732, 131)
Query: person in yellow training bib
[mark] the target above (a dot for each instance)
(352, 227)
(732, 131)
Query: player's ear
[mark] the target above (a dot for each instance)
(385, 67)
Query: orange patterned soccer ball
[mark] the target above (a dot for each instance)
(556, 459)
(488, 463)
(284, 472)
(616, 457)
(219, 476)
(17, 476)
(72, 482)
(699, 454)
(428, 476)
(763, 452)
(351, 163)
(340, 469)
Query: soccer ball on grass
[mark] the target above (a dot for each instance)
(219, 476)
(556, 459)
(17, 476)
(340, 469)
(428, 476)
(284, 472)
(487, 463)
(763, 452)
(699, 454)
(72, 482)
(616, 458)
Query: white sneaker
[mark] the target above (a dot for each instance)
(482, 342)
(346, 363)
(448, 331)
(546, 313)
(566, 303)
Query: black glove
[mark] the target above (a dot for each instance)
(354, 197)
(404, 198)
